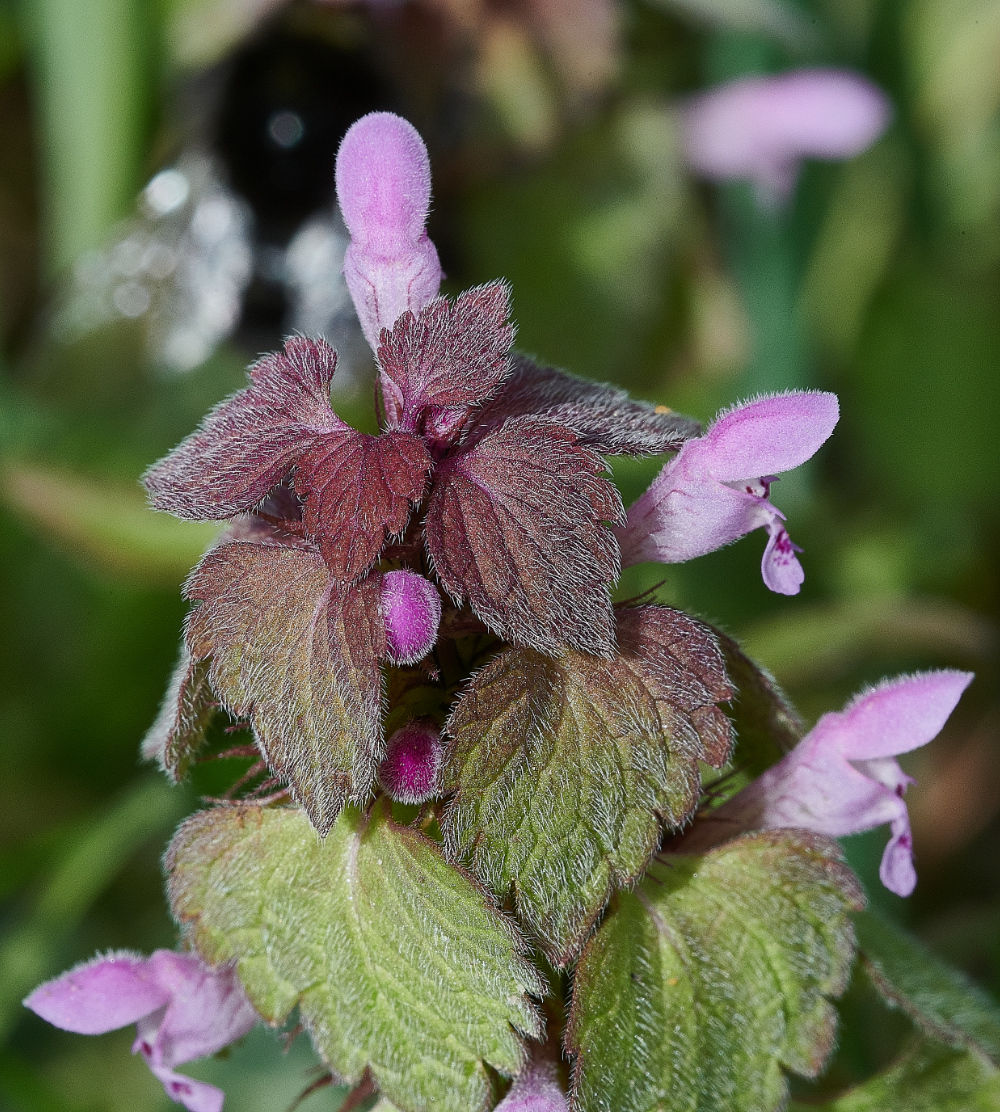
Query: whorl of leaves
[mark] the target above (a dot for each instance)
(515, 528)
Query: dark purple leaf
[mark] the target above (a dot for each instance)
(514, 527)
(180, 727)
(450, 355)
(604, 417)
(251, 441)
(357, 488)
(297, 653)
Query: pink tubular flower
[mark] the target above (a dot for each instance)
(760, 128)
(183, 1010)
(384, 190)
(842, 777)
(717, 488)
(409, 772)
(411, 607)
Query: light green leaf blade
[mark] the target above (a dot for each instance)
(939, 999)
(563, 768)
(930, 1077)
(396, 959)
(712, 977)
(108, 522)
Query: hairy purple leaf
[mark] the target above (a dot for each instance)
(298, 654)
(514, 527)
(563, 768)
(357, 488)
(603, 417)
(250, 442)
(180, 727)
(449, 355)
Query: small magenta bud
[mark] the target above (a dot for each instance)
(411, 608)
(409, 772)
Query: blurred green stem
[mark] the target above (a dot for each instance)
(92, 82)
(90, 861)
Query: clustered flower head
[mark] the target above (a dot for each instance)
(423, 618)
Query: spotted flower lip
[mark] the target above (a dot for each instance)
(384, 189)
(717, 488)
(842, 778)
(761, 128)
(183, 1009)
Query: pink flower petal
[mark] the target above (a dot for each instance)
(895, 717)
(384, 189)
(780, 567)
(101, 995)
(841, 778)
(196, 1096)
(760, 128)
(765, 437)
(208, 1008)
(537, 1090)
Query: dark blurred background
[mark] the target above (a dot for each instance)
(166, 213)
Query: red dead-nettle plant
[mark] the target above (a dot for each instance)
(482, 774)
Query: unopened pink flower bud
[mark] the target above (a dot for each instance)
(411, 609)
(384, 190)
(409, 772)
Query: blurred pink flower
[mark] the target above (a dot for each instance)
(760, 128)
(717, 488)
(842, 778)
(384, 190)
(183, 1009)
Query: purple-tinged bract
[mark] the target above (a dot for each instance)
(842, 778)
(183, 1009)
(409, 772)
(384, 190)
(411, 609)
(717, 487)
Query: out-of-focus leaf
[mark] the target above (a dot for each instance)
(939, 999)
(930, 1077)
(860, 231)
(828, 639)
(107, 522)
(84, 868)
(712, 977)
(927, 378)
(93, 79)
(396, 960)
(783, 21)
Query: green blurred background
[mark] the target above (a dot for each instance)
(553, 132)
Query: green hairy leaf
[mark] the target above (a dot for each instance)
(930, 1077)
(939, 999)
(396, 960)
(563, 768)
(712, 977)
(767, 725)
